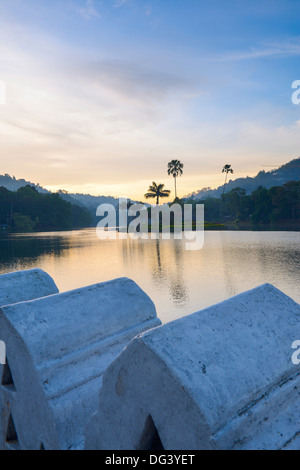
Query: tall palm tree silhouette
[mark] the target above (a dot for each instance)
(175, 168)
(157, 190)
(227, 169)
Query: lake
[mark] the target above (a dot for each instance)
(179, 282)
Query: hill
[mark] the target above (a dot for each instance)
(12, 184)
(288, 172)
(83, 200)
(27, 210)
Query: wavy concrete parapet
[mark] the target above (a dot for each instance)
(21, 286)
(221, 378)
(17, 287)
(58, 348)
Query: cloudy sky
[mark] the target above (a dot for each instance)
(101, 94)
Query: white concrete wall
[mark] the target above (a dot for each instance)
(58, 348)
(25, 285)
(17, 287)
(219, 379)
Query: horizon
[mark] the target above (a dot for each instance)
(166, 200)
(101, 95)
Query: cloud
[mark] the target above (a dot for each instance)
(137, 84)
(88, 11)
(119, 3)
(106, 110)
(284, 49)
(73, 120)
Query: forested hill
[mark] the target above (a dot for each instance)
(26, 210)
(278, 207)
(288, 172)
(85, 200)
(12, 184)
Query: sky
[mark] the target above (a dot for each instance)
(102, 94)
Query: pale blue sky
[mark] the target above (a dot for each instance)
(102, 94)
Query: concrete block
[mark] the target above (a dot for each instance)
(58, 348)
(25, 285)
(221, 378)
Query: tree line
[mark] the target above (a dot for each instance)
(262, 207)
(27, 210)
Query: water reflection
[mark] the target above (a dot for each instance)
(165, 259)
(27, 251)
(178, 289)
(179, 281)
(171, 271)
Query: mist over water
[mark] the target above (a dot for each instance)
(179, 282)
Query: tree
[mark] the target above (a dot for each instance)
(233, 201)
(175, 168)
(157, 191)
(227, 169)
(262, 206)
(6, 202)
(285, 201)
(23, 223)
(26, 210)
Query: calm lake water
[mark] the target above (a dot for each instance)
(179, 282)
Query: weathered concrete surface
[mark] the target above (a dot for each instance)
(219, 379)
(58, 348)
(17, 287)
(25, 285)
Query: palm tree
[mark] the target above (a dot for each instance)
(227, 169)
(175, 168)
(157, 190)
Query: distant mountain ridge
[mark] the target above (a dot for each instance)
(288, 172)
(85, 200)
(12, 184)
